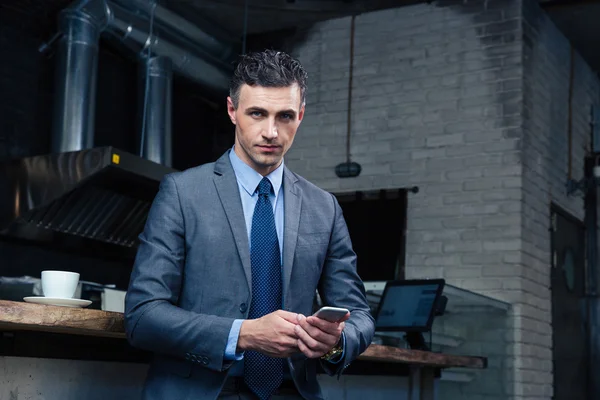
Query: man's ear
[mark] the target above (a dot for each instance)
(301, 112)
(231, 110)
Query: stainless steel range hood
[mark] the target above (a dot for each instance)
(96, 200)
(79, 199)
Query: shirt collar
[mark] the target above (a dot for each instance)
(249, 178)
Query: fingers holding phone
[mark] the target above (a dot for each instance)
(333, 314)
(319, 333)
(272, 334)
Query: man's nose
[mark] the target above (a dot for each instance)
(270, 130)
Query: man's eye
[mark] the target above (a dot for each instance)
(256, 113)
(287, 116)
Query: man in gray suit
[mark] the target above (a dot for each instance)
(231, 257)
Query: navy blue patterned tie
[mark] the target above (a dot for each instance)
(264, 374)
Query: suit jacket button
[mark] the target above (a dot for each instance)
(187, 356)
(243, 307)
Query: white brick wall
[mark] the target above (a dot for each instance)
(468, 101)
(436, 103)
(547, 67)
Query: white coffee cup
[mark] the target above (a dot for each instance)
(61, 284)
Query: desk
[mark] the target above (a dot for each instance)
(420, 367)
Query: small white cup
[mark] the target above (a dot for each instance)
(61, 284)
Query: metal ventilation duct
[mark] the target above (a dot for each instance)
(89, 197)
(194, 53)
(192, 61)
(185, 31)
(82, 24)
(75, 89)
(156, 94)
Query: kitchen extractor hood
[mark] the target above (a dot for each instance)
(96, 199)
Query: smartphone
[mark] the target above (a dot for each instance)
(331, 314)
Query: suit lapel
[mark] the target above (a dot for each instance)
(227, 188)
(228, 191)
(292, 206)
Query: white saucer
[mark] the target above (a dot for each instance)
(58, 301)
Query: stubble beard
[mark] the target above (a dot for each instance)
(265, 161)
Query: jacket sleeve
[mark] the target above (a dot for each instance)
(340, 286)
(153, 321)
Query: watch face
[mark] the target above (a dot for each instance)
(333, 353)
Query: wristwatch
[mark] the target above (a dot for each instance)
(333, 353)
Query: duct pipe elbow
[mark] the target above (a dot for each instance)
(96, 12)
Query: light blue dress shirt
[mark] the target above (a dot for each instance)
(248, 180)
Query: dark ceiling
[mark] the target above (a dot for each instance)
(225, 17)
(36, 17)
(578, 21)
(229, 19)
(237, 17)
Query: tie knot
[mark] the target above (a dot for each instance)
(264, 187)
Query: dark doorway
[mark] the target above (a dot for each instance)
(570, 353)
(377, 225)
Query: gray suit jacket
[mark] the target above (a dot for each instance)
(192, 278)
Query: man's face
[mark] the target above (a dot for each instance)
(266, 121)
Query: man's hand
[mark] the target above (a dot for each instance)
(272, 334)
(317, 336)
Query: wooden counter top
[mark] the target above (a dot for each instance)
(16, 316)
(78, 321)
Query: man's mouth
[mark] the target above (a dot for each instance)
(268, 147)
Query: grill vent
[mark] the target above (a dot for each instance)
(94, 213)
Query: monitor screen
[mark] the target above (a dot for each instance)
(408, 305)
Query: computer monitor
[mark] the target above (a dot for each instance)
(408, 305)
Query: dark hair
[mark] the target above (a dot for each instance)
(267, 68)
